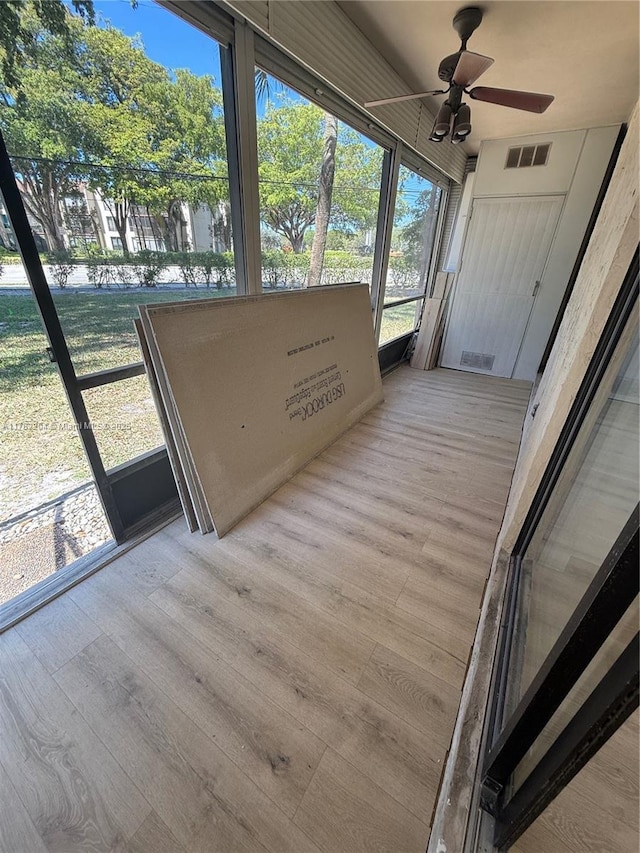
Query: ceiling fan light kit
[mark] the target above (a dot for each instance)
(460, 70)
(443, 121)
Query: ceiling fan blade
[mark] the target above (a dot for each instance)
(403, 98)
(470, 66)
(533, 102)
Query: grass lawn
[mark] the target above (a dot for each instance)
(41, 455)
(399, 320)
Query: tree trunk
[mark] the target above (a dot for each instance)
(41, 198)
(296, 238)
(325, 191)
(120, 212)
(174, 227)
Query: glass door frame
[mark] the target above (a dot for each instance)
(612, 590)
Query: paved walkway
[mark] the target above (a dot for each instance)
(38, 543)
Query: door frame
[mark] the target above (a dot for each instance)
(454, 287)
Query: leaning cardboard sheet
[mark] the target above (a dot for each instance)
(250, 389)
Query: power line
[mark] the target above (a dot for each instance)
(190, 176)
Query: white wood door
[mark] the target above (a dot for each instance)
(505, 252)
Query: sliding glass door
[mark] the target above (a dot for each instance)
(567, 675)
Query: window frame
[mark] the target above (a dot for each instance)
(409, 161)
(610, 593)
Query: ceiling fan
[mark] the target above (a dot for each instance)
(460, 70)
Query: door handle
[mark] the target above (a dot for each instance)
(535, 289)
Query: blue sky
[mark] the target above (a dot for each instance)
(167, 40)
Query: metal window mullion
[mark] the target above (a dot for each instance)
(608, 596)
(106, 377)
(438, 233)
(238, 87)
(386, 210)
(612, 701)
(53, 331)
(398, 302)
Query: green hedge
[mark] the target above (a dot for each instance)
(216, 269)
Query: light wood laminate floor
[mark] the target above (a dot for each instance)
(290, 688)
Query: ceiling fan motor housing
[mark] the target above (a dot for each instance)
(466, 21)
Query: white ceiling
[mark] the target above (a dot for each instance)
(584, 53)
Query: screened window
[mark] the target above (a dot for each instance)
(412, 246)
(144, 197)
(319, 184)
(127, 196)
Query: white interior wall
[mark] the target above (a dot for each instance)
(576, 167)
(587, 179)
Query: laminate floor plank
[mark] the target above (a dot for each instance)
(348, 531)
(361, 730)
(425, 702)
(271, 747)
(373, 616)
(154, 835)
(77, 796)
(317, 546)
(146, 568)
(17, 830)
(442, 609)
(377, 541)
(347, 813)
(282, 613)
(407, 530)
(207, 802)
(58, 632)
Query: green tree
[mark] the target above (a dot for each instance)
(91, 106)
(17, 18)
(158, 136)
(289, 151)
(43, 123)
(291, 148)
(193, 165)
(416, 236)
(127, 99)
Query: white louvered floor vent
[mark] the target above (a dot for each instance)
(479, 360)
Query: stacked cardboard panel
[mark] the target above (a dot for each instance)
(249, 389)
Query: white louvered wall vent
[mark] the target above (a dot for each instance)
(479, 360)
(528, 155)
